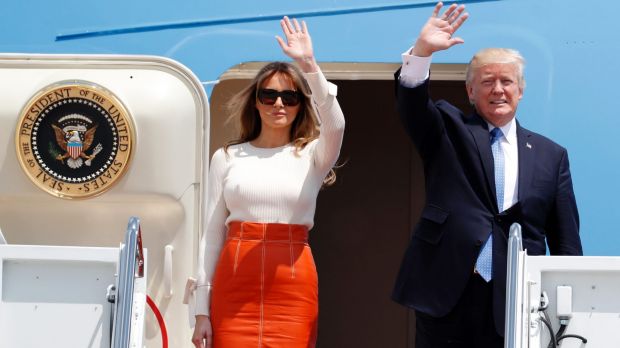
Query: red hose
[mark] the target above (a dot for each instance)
(160, 321)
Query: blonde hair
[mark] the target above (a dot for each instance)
(496, 56)
(242, 110)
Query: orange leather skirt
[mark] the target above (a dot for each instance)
(265, 288)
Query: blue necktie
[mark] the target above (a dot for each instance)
(484, 264)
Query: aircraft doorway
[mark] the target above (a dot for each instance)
(363, 222)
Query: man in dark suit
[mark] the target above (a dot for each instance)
(483, 172)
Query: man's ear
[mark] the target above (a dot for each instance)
(470, 93)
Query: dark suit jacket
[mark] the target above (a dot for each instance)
(461, 209)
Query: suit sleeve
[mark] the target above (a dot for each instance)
(421, 118)
(563, 224)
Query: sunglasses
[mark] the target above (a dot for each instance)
(270, 96)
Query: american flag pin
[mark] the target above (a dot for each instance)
(528, 145)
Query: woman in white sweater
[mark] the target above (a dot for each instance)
(257, 282)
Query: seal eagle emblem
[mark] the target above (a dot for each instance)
(74, 139)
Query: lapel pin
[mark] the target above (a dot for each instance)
(528, 145)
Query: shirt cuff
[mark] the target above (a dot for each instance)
(415, 70)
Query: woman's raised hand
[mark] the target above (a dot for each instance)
(298, 44)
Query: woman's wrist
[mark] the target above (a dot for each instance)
(307, 64)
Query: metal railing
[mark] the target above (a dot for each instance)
(131, 265)
(512, 338)
(2, 240)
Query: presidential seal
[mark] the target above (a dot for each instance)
(74, 139)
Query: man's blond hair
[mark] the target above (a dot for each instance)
(496, 56)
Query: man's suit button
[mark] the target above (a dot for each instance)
(498, 219)
(478, 242)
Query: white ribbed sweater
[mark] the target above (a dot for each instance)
(267, 184)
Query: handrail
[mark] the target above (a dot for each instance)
(512, 337)
(131, 265)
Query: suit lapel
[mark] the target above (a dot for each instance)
(480, 132)
(527, 156)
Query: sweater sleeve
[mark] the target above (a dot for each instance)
(331, 120)
(213, 231)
